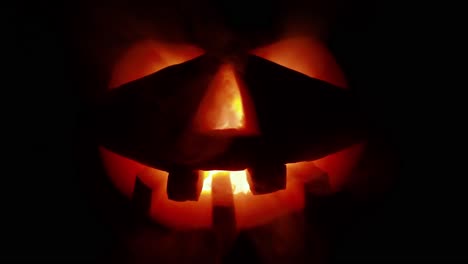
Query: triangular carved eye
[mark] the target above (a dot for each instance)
(145, 58)
(305, 55)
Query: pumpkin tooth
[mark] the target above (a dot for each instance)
(141, 197)
(317, 182)
(184, 184)
(223, 213)
(267, 178)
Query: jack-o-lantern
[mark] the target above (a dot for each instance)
(184, 130)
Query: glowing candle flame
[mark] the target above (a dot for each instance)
(238, 179)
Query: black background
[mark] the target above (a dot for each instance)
(47, 215)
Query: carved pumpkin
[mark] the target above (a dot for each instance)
(224, 110)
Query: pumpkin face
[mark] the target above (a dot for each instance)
(227, 108)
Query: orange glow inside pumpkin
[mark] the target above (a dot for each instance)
(226, 106)
(223, 103)
(305, 55)
(239, 182)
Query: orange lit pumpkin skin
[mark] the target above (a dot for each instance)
(304, 55)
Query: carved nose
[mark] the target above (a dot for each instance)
(226, 107)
